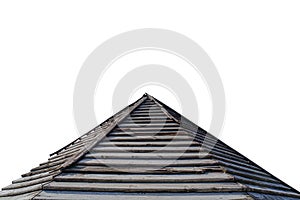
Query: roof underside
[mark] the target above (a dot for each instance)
(148, 151)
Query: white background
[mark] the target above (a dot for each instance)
(254, 44)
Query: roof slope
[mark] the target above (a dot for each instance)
(148, 151)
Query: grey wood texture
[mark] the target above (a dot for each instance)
(147, 153)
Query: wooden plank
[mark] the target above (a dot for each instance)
(75, 147)
(222, 156)
(134, 125)
(241, 168)
(48, 165)
(133, 136)
(144, 149)
(149, 143)
(28, 183)
(69, 152)
(41, 171)
(181, 150)
(49, 195)
(86, 139)
(220, 150)
(23, 196)
(133, 118)
(143, 170)
(254, 176)
(149, 106)
(261, 183)
(148, 103)
(153, 133)
(274, 191)
(156, 130)
(149, 163)
(148, 111)
(145, 178)
(149, 114)
(145, 187)
(244, 164)
(147, 155)
(33, 177)
(147, 119)
(57, 158)
(147, 138)
(61, 156)
(139, 122)
(20, 191)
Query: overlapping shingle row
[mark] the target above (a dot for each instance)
(148, 152)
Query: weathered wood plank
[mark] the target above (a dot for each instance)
(147, 120)
(59, 156)
(146, 187)
(24, 196)
(61, 195)
(28, 183)
(20, 191)
(254, 176)
(256, 182)
(242, 168)
(233, 161)
(33, 177)
(148, 163)
(265, 190)
(149, 128)
(147, 133)
(148, 125)
(147, 108)
(153, 106)
(143, 170)
(152, 155)
(35, 172)
(164, 147)
(151, 110)
(68, 152)
(147, 138)
(149, 143)
(145, 178)
(145, 149)
(148, 114)
(49, 164)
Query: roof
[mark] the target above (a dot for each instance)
(148, 151)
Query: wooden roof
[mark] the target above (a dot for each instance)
(148, 151)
